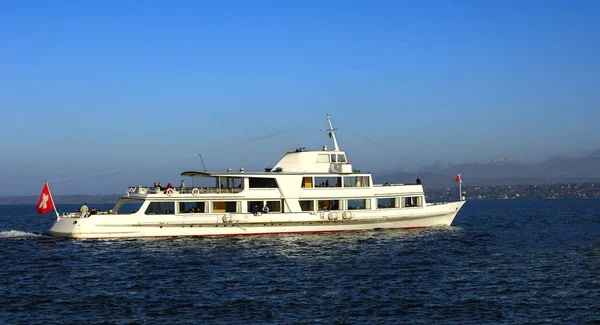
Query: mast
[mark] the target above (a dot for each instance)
(332, 134)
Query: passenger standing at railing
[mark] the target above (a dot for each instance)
(84, 209)
(182, 184)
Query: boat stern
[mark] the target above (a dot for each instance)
(67, 227)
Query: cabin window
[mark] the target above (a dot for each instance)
(220, 207)
(307, 205)
(255, 206)
(328, 181)
(412, 201)
(192, 207)
(307, 182)
(274, 206)
(161, 208)
(238, 182)
(323, 158)
(329, 204)
(333, 158)
(356, 181)
(384, 203)
(127, 206)
(357, 204)
(256, 182)
(341, 158)
(230, 182)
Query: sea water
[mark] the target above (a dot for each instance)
(502, 262)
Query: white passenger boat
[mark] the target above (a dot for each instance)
(306, 191)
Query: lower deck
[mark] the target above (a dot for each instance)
(216, 224)
(191, 205)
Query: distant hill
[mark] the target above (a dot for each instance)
(61, 199)
(506, 172)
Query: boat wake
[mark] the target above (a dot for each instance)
(18, 234)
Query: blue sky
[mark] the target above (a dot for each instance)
(93, 86)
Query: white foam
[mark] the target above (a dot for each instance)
(17, 234)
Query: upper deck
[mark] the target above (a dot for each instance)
(298, 174)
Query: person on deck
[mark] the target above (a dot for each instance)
(255, 209)
(265, 209)
(182, 184)
(418, 180)
(84, 209)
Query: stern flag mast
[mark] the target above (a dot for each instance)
(56, 211)
(332, 134)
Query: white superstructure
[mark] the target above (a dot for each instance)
(306, 191)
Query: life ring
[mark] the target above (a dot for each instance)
(170, 192)
(195, 191)
(337, 167)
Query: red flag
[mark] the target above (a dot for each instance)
(45, 203)
(457, 179)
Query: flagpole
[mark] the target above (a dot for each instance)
(56, 211)
(460, 190)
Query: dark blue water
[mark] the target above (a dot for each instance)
(503, 262)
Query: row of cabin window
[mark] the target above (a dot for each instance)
(352, 204)
(361, 204)
(404, 202)
(276, 206)
(326, 158)
(238, 182)
(217, 207)
(347, 181)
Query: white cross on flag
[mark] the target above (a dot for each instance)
(45, 203)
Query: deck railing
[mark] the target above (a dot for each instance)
(186, 190)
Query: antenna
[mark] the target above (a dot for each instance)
(332, 134)
(199, 154)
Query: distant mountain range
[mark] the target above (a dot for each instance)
(506, 172)
(499, 172)
(61, 199)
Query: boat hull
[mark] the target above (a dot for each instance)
(135, 225)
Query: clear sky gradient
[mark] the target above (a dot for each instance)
(93, 86)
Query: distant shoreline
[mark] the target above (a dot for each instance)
(60, 199)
